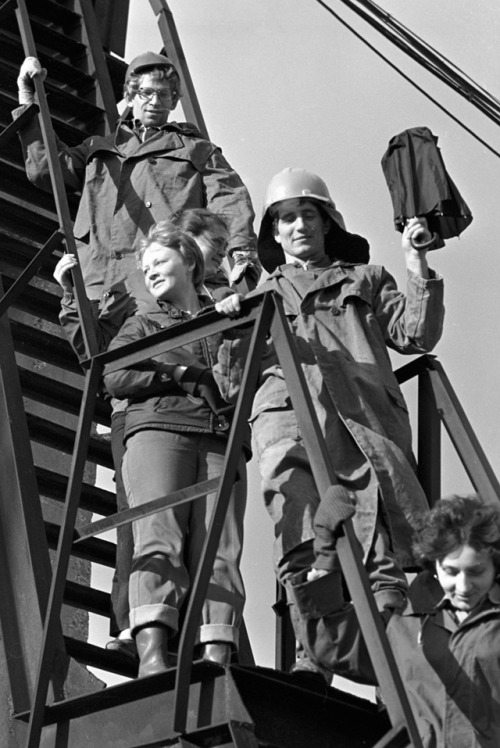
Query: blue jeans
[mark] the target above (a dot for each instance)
(168, 545)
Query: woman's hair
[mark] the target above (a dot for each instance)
(168, 235)
(168, 74)
(197, 221)
(456, 521)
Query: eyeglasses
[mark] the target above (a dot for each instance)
(146, 94)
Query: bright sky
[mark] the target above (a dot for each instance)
(281, 84)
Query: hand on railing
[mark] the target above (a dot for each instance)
(62, 272)
(26, 87)
(230, 306)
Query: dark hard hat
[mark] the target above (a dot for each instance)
(147, 60)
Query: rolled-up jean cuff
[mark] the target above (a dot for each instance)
(158, 613)
(390, 599)
(219, 632)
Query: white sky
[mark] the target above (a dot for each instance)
(281, 83)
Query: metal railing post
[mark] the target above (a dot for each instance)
(348, 548)
(56, 176)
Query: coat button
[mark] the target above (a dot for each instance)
(152, 160)
(148, 203)
(222, 423)
(335, 311)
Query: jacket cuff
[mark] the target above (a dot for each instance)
(320, 597)
(190, 378)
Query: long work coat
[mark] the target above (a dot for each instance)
(451, 670)
(343, 319)
(128, 185)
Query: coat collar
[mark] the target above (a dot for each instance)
(426, 595)
(165, 307)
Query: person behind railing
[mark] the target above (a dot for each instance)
(343, 314)
(143, 172)
(212, 235)
(176, 433)
(446, 642)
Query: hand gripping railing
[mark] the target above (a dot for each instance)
(60, 197)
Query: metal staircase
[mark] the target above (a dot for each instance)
(48, 412)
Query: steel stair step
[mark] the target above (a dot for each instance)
(14, 259)
(59, 14)
(264, 707)
(34, 300)
(62, 438)
(92, 499)
(98, 551)
(22, 191)
(69, 133)
(41, 345)
(87, 598)
(50, 37)
(48, 41)
(104, 659)
(65, 104)
(59, 395)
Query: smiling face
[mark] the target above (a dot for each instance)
(166, 274)
(466, 576)
(300, 229)
(153, 101)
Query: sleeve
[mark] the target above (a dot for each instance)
(72, 160)
(226, 195)
(233, 354)
(329, 626)
(231, 359)
(145, 379)
(107, 322)
(411, 323)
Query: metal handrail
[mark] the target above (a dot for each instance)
(265, 313)
(102, 78)
(57, 180)
(173, 48)
(347, 546)
(271, 318)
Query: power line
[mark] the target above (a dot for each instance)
(429, 58)
(488, 103)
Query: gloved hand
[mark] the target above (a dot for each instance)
(245, 263)
(26, 88)
(201, 383)
(334, 509)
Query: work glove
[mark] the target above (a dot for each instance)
(245, 263)
(26, 87)
(334, 509)
(201, 383)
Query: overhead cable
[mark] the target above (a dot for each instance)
(428, 57)
(477, 96)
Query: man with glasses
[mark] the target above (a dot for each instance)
(142, 173)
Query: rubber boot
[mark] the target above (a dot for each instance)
(152, 649)
(219, 652)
